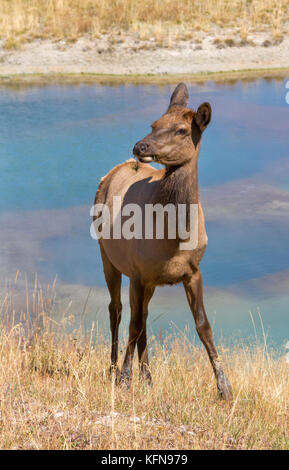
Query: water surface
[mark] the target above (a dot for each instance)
(56, 142)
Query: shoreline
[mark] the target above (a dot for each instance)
(233, 76)
(129, 59)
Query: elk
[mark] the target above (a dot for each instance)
(174, 142)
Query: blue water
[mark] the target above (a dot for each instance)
(56, 142)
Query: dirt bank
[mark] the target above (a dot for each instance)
(131, 56)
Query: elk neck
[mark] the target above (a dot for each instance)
(179, 184)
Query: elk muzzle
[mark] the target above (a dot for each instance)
(143, 151)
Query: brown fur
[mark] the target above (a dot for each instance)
(175, 141)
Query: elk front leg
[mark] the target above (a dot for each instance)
(194, 291)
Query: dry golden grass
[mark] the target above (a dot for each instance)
(70, 19)
(21, 81)
(55, 391)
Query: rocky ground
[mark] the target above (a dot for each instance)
(119, 54)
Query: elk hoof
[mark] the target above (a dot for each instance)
(114, 371)
(224, 387)
(146, 376)
(125, 378)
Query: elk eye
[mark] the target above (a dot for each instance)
(181, 131)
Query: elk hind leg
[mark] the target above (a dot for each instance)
(136, 297)
(142, 339)
(113, 281)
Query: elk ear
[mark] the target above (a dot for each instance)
(180, 96)
(203, 116)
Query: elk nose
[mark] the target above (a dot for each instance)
(140, 147)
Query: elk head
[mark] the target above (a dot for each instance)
(175, 137)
